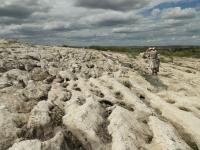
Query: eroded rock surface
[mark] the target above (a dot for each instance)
(55, 98)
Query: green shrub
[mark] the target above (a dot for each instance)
(168, 52)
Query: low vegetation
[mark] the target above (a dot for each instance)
(167, 51)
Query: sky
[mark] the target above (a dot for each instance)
(101, 22)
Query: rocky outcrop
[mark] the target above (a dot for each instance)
(165, 136)
(53, 144)
(9, 130)
(56, 98)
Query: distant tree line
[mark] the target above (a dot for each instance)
(169, 51)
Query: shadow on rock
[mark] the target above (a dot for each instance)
(154, 81)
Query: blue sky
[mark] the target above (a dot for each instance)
(182, 4)
(105, 22)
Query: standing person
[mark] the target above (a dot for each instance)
(154, 61)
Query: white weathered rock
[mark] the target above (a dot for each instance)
(17, 75)
(108, 100)
(121, 129)
(36, 90)
(8, 129)
(165, 136)
(53, 144)
(58, 95)
(39, 116)
(83, 121)
(127, 131)
(27, 145)
(66, 75)
(186, 122)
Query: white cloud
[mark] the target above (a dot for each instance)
(175, 13)
(196, 37)
(101, 22)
